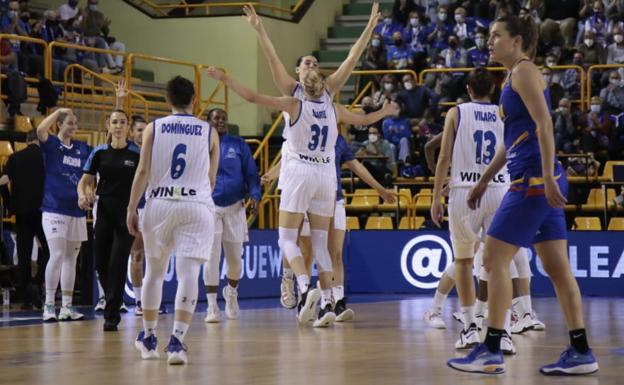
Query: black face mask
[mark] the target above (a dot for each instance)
(453, 44)
(368, 109)
(398, 42)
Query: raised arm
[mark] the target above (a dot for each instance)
(338, 79)
(141, 177)
(281, 103)
(529, 84)
(43, 130)
(284, 82)
(348, 117)
(444, 162)
(214, 157)
(121, 93)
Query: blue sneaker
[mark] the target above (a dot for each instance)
(479, 360)
(572, 363)
(147, 346)
(176, 352)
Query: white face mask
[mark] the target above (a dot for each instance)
(408, 86)
(547, 78)
(439, 66)
(375, 43)
(480, 43)
(442, 16)
(388, 21)
(563, 110)
(373, 138)
(589, 42)
(595, 108)
(615, 82)
(618, 38)
(414, 22)
(388, 86)
(459, 19)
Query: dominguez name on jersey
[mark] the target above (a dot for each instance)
(183, 129)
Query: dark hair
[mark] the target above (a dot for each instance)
(180, 91)
(213, 110)
(523, 27)
(300, 59)
(136, 119)
(480, 82)
(119, 112)
(31, 136)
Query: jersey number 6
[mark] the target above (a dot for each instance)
(178, 164)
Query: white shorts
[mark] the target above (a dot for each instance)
(340, 220)
(73, 229)
(308, 188)
(140, 214)
(185, 229)
(231, 222)
(466, 224)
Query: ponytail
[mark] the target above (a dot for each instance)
(524, 27)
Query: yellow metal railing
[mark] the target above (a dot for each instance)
(163, 9)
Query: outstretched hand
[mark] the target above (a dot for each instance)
(216, 73)
(252, 17)
(121, 89)
(391, 108)
(375, 15)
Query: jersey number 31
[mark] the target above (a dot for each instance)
(319, 135)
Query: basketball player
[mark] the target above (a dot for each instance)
(536, 199)
(237, 175)
(64, 223)
(115, 164)
(308, 179)
(177, 170)
(477, 127)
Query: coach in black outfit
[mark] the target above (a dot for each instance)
(115, 163)
(25, 171)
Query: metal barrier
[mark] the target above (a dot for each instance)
(164, 9)
(211, 101)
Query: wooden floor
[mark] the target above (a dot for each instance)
(387, 344)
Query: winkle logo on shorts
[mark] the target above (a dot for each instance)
(424, 259)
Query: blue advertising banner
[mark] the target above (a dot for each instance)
(413, 261)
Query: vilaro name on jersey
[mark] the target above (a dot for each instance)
(182, 129)
(475, 176)
(173, 192)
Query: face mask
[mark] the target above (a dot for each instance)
(597, 12)
(375, 43)
(408, 85)
(589, 42)
(442, 16)
(388, 86)
(368, 109)
(578, 62)
(12, 14)
(93, 7)
(615, 82)
(595, 108)
(373, 138)
(480, 43)
(439, 66)
(547, 78)
(551, 63)
(398, 42)
(618, 38)
(459, 19)
(453, 44)
(564, 110)
(414, 22)
(388, 21)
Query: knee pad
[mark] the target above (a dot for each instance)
(450, 271)
(513, 272)
(233, 252)
(187, 270)
(483, 274)
(521, 262)
(288, 243)
(320, 251)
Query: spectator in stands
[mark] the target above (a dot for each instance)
(382, 169)
(613, 94)
(572, 78)
(402, 9)
(593, 52)
(94, 25)
(598, 124)
(69, 10)
(581, 166)
(415, 99)
(464, 28)
(375, 57)
(8, 58)
(594, 21)
(555, 89)
(387, 26)
(398, 131)
(565, 127)
(414, 32)
(440, 82)
(615, 10)
(561, 15)
(551, 61)
(387, 91)
(615, 51)
(439, 31)
(4, 6)
(479, 55)
(12, 24)
(50, 30)
(400, 55)
(531, 8)
(551, 40)
(454, 55)
(25, 171)
(359, 134)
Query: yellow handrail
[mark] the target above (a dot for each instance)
(163, 8)
(591, 69)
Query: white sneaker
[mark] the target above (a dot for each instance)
(433, 318)
(507, 346)
(468, 339)
(213, 314)
(49, 313)
(537, 324)
(523, 324)
(287, 289)
(326, 317)
(480, 320)
(123, 308)
(231, 302)
(176, 352)
(307, 305)
(69, 313)
(147, 346)
(101, 304)
(457, 316)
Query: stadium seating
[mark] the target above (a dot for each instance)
(379, 223)
(353, 223)
(411, 223)
(404, 199)
(607, 173)
(616, 224)
(596, 200)
(587, 223)
(364, 200)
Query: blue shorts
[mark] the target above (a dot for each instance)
(525, 217)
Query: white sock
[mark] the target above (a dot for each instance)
(326, 297)
(438, 300)
(508, 321)
(180, 329)
(303, 282)
(66, 300)
(514, 305)
(137, 293)
(49, 297)
(480, 307)
(468, 316)
(527, 304)
(212, 299)
(288, 273)
(520, 306)
(338, 292)
(149, 327)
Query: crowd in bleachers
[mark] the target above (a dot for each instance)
(418, 35)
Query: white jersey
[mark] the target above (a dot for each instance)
(312, 136)
(180, 160)
(479, 134)
(299, 93)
